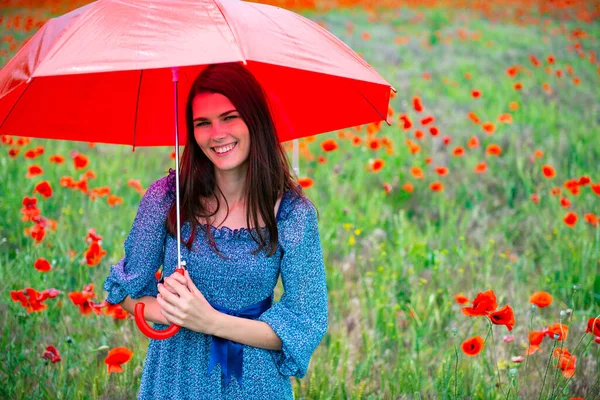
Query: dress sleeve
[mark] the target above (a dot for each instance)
(134, 275)
(300, 317)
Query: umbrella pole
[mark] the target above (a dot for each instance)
(180, 263)
(295, 151)
(139, 307)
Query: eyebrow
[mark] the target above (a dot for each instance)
(205, 119)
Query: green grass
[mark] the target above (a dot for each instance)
(394, 261)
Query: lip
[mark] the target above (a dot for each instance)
(224, 154)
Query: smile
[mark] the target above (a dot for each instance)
(224, 149)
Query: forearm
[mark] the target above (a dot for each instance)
(151, 309)
(246, 331)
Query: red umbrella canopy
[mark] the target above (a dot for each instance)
(102, 73)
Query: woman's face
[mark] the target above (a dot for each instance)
(217, 126)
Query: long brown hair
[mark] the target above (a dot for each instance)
(268, 165)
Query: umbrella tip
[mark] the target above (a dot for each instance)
(393, 89)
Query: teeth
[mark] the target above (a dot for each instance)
(224, 149)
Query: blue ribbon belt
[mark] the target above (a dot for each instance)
(229, 353)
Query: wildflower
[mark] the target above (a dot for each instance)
(417, 172)
(458, 151)
(488, 127)
(80, 161)
(548, 171)
(116, 357)
(472, 346)
(541, 299)
(408, 187)
(42, 265)
(483, 304)
(473, 142)
(481, 167)
(377, 164)
(494, 150)
(566, 362)
(504, 316)
(437, 186)
(570, 219)
(461, 298)
(475, 93)
(417, 104)
(508, 338)
(593, 326)
(305, 182)
(441, 171)
(34, 170)
(329, 145)
(43, 188)
(51, 354)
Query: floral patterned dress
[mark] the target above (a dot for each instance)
(178, 367)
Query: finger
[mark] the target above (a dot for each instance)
(169, 288)
(171, 318)
(165, 307)
(178, 277)
(190, 283)
(171, 298)
(180, 288)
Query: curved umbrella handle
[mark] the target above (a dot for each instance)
(146, 329)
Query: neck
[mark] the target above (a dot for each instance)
(232, 185)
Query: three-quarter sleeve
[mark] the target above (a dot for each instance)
(134, 274)
(300, 317)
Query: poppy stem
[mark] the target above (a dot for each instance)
(562, 337)
(455, 370)
(493, 360)
(546, 371)
(528, 332)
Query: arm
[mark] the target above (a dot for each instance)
(246, 331)
(151, 311)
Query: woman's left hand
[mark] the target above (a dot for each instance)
(188, 308)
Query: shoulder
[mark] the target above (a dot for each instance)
(160, 191)
(296, 206)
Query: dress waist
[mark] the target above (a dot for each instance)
(228, 353)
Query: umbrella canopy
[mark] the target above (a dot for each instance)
(102, 73)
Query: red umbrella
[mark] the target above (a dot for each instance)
(119, 63)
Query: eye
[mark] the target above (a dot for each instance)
(200, 124)
(231, 116)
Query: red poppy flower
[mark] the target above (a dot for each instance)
(541, 299)
(33, 170)
(472, 346)
(494, 150)
(475, 93)
(56, 159)
(437, 186)
(80, 161)
(441, 171)
(566, 362)
(116, 357)
(44, 189)
(473, 142)
(458, 151)
(596, 188)
(305, 182)
(504, 316)
(42, 265)
(377, 165)
(434, 131)
(407, 123)
(481, 167)
(484, 303)
(535, 198)
(329, 145)
(51, 354)
(427, 120)
(461, 298)
(417, 104)
(570, 219)
(548, 171)
(474, 117)
(489, 127)
(593, 326)
(417, 172)
(557, 331)
(408, 187)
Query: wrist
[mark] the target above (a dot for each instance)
(218, 323)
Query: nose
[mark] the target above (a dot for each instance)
(218, 131)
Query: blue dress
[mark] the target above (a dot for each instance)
(178, 367)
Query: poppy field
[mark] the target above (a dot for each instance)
(461, 239)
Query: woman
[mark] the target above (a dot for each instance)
(235, 343)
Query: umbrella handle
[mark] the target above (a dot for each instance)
(146, 329)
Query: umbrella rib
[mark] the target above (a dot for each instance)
(137, 104)
(371, 104)
(16, 102)
(235, 37)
